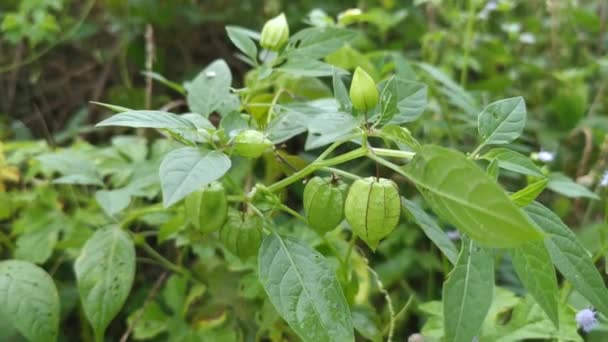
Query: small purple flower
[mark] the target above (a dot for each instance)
(453, 235)
(586, 319)
(604, 179)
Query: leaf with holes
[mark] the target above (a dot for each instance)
(465, 196)
(105, 270)
(304, 290)
(502, 121)
(468, 292)
(29, 301)
(187, 169)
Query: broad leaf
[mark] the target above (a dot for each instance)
(37, 245)
(528, 194)
(513, 161)
(468, 292)
(401, 136)
(536, 272)
(210, 90)
(309, 67)
(570, 258)
(326, 128)
(317, 42)
(105, 271)
(147, 119)
(29, 301)
(411, 101)
(465, 196)
(304, 289)
(187, 169)
(562, 184)
(340, 92)
(431, 229)
(502, 121)
(113, 201)
(241, 40)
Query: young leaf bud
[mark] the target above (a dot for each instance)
(363, 91)
(275, 33)
(251, 144)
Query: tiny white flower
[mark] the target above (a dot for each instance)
(210, 74)
(487, 9)
(453, 235)
(586, 319)
(604, 179)
(545, 156)
(527, 38)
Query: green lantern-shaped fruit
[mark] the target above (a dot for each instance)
(373, 209)
(363, 92)
(251, 144)
(207, 208)
(324, 203)
(242, 236)
(275, 33)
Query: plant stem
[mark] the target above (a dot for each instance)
(340, 172)
(467, 43)
(164, 261)
(292, 212)
(389, 304)
(393, 153)
(139, 213)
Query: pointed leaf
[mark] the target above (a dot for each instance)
(210, 90)
(105, 271)
(502, 121)
(513, 161)
(431, 230)
(528, 194)
(241, 40)
(147, 119)
(465, 196)
(468, 292)
(571, 259)
(29, 300)
(187, 169)
(562, 184)
(317, 42)
(304, 290)
(536, 272)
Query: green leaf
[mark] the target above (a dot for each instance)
(431, 229)
(304, 66)
(529, 322)
(241, 40)
(105, 270)
(513, 161)
(113, 201)
(465, 196)
(163, 80)
(147, 119)
(411, 98)
(76, 167)
(492, 169)
(210, 90)
(570, 257)
(304, 290)
(37, 245)
(325, 128)
(502, 121)
(29, 300)
(528, 194)
(468, 292)
(317, 42)
(536, 272)
(112, 107)
(187, 169)
(340, 92)
(563, 185)
(401, 136)
(148, 322)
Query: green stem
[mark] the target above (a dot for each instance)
(139, 213)
(393, 153)
(467, 43)
(389, 304)
(164, 261)
(292, 212)
(341, 173)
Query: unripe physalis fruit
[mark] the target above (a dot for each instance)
(363, 91)
(275, 33)
(242, 235)
(251, 144)
(207, 208)
(373, 209)
(324, 203)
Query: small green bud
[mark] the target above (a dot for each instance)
(275, 33)
(363, 91)
(251, 144)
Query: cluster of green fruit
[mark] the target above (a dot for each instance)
(371, 206)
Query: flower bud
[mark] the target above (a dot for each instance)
(363, 91)
(275, 33)
(251, 144)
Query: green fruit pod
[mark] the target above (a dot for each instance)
(207, 208)
(363, 92)
(242, 236)
(251, 144)
(275, 33)
(324, 203)
(373, 209)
